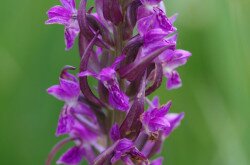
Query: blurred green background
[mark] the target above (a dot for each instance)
(215, 95)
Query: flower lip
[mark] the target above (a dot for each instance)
(68, 89)
(65, 15)
(155, 120)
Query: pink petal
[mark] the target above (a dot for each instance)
(73, 156)
(70, 35)
(58, 93)
(59, 11)
(70, 87)
(174, 80)
(57, 20)
(69, 4)
(65, 124)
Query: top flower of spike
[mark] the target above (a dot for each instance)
(65, 15)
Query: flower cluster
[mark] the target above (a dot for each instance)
(127, 46)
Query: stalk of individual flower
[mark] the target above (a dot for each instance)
(128, 47)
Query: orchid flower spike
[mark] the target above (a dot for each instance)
(126, 48)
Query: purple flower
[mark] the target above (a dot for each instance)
(65, 15)
(157, 32)
(156, 20)
(155, 120)
(171, 63)
(107, 76)
(68, 91)
(126, 151)
(178, 58)
(153, 147)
